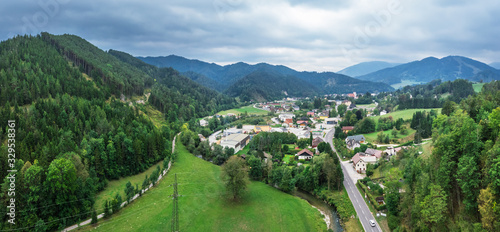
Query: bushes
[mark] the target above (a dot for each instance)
(370, 196)
(340, 200)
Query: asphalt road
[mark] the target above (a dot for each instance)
(359, 204)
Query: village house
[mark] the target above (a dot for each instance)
(310, 113)
(373, 152)
(305, 154)
(302, 123)
(354, 141)
(288, 122)
(284, 117)
(346, 129)
(316, 141)
(203, 122)
(358, 164)
(367, 159)
(346, 102)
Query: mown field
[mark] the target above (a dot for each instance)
(204, 206)
(249, 109)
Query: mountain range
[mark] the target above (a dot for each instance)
(226, 78)
(446, 69)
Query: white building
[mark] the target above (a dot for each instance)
(203, 122)
(283, 117)
(235, 141)
(358, 164)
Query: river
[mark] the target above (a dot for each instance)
(331, 216)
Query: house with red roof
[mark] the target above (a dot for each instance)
(305, 154)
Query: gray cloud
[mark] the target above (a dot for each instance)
(321, 35)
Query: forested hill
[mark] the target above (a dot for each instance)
(223, 77)
(269, 85)
(175, 88)
(457, 187)
(76, 125)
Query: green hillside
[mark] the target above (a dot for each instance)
(203, 205)
(270, 85)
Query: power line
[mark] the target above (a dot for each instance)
(175, 208)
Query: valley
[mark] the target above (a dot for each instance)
(95, 129)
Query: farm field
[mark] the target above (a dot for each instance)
(203, 205)
(249, 109)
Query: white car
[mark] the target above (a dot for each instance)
(372, 223)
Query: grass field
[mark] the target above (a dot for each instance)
(477, 87)
(404, 114)
(249, 109)
(118, 186)
(372, 105)
(427, 150)
(372, 137)
(287, 158)
(203, 205)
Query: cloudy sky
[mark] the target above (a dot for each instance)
(314, 35)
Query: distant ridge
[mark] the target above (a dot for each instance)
(446, 69)
(222, 78)
(365, 68)
(495, 65)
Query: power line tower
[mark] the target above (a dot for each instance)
(175, 208)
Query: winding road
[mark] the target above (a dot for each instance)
(357, 200)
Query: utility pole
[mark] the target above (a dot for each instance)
(175, 208)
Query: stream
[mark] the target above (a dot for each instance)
(331, 216)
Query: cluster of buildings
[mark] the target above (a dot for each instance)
(372, 156)
(284, 106)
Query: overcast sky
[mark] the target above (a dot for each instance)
(314, 35)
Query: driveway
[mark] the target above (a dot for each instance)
(355, 176)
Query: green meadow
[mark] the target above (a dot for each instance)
(204, 206)
(404, 114)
